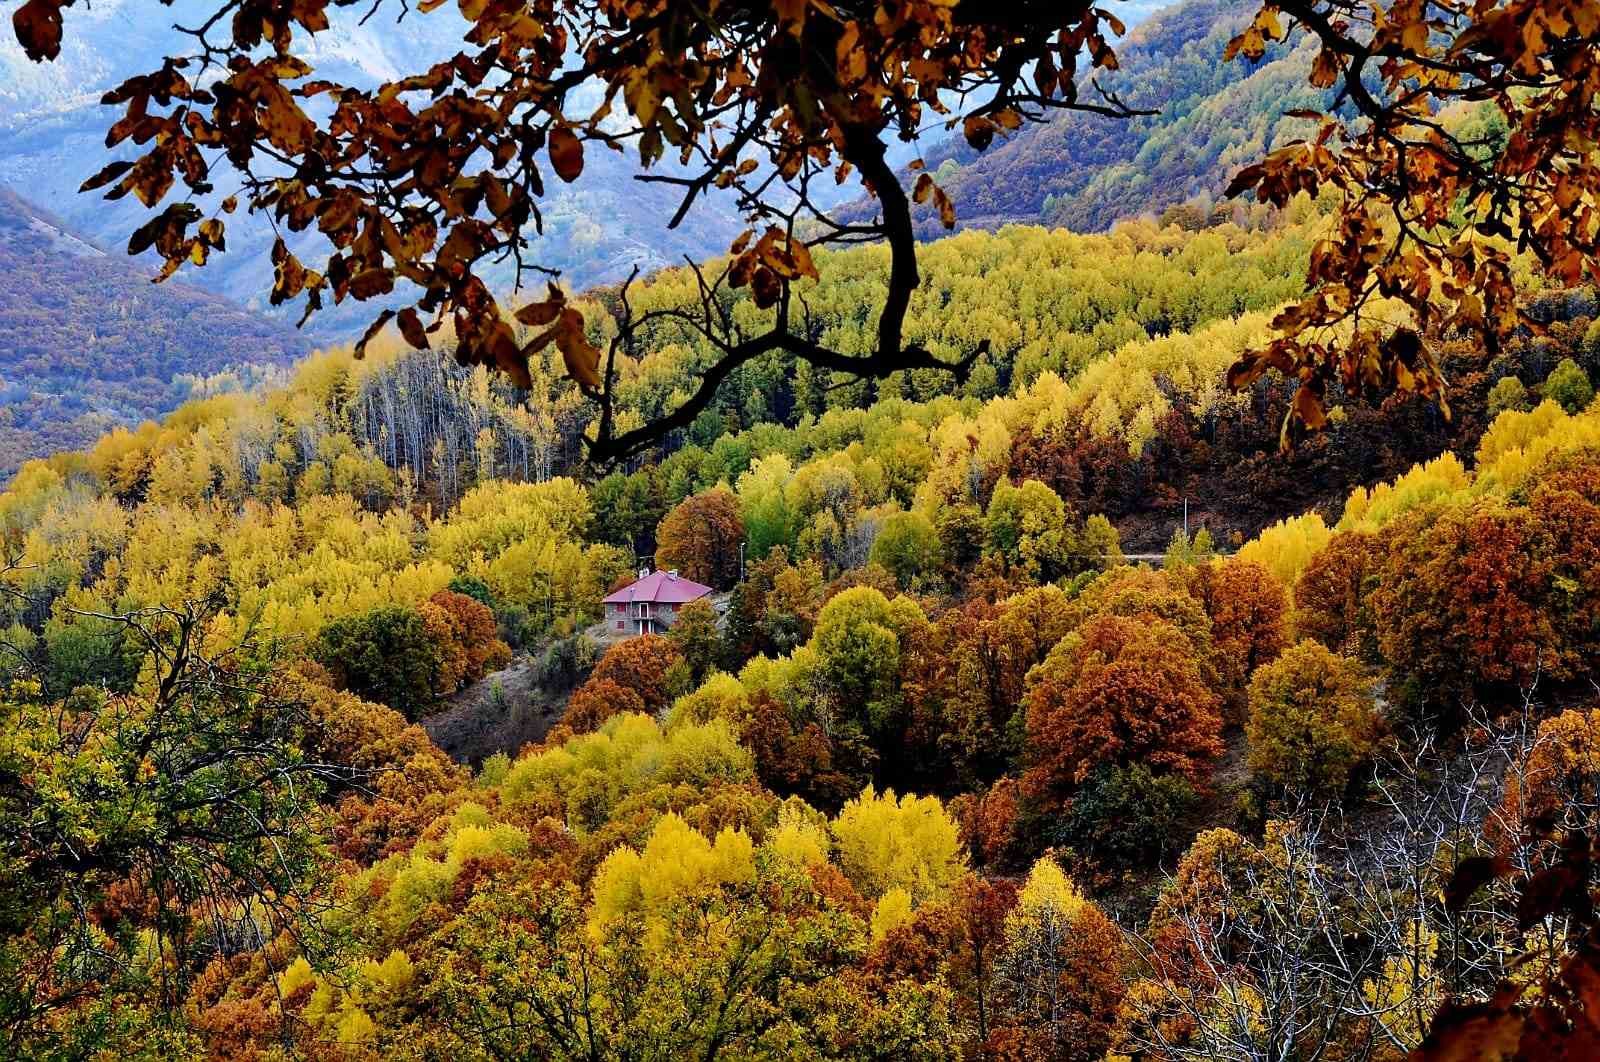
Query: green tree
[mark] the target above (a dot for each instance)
(696, 634)
(1569, 387)
(857, 646)
(1027, 525)
(907, 545)
(961, 535)
(89, 651)
(625, 509)
(1097, 545)
(475, 588)
(1126, 817)
(769, 520)
(1185, 550)
(1312, 720)
(385, 655)
(1507, 393)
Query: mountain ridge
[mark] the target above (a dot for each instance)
(1085, 172)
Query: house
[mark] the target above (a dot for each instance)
(650, 604)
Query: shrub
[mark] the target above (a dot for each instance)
(519, 628)
(559, 667)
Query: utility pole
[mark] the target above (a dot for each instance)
(741, 560)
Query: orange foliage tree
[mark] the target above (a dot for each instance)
(1059, 975)
(1132, 592)
(797, 757)
(989, 822)
(641, 664)
(1189, 908)
(464, 631)
(1118, 691)
(1557, 784)
(700, 537)
(410, 781)
(1330, 597)
(1566, 502)
(1248, 609)
(598, 700)
(1463, 599)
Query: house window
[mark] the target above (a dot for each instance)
(620, 625)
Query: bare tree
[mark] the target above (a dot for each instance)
(1335, 936)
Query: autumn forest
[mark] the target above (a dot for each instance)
(1134, 523)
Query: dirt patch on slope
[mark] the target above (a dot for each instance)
(499, 713)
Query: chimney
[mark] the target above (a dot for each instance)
(673, 574)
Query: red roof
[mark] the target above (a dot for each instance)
(667, 588)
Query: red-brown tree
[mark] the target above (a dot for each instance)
(1248, 610)
(1118, 691)
(700, 538)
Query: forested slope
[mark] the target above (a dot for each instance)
(948, 772)
(87, 343)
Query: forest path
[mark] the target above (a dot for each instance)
(501, 712)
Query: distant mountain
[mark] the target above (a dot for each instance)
(52, 130)
(1085, 172)
(88, 343)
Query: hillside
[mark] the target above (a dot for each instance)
(87, 343)
(1086, 172)
(941, 708)
(1133, 628)
(52, 131)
